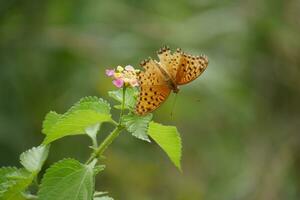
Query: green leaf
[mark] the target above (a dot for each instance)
(4, 173)
(68, 179)
(91, 103)
(137, 125)
(93, 130)
(130, 97)
(103, 198)
(168, 138)
(50, 120)
(99, 193)
(13, 182)
(33, 159)
(87, 112)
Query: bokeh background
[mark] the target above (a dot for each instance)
(239, 122)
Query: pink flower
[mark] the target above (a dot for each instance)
(118, 83)
(127, 76)
(110, 72)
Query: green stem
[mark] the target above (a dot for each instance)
(103, 146)
(111, 137)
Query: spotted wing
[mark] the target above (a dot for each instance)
(167, 62)
(154, 89)
(190, 67)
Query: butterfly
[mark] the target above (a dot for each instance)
(160, 78)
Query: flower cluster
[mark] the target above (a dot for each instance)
(123, 76)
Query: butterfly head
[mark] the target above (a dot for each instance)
(173, 86)
(176, 90)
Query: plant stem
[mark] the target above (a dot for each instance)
(108, 140)
(111, 137)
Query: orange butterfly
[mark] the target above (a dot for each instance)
(160, 78)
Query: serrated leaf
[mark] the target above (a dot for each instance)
(130, 97)
(91, 103)
(13, 182)
(137, 125)
(68, 179)
(50, 120)
(87, 112)
(34, 158)
(168, 138)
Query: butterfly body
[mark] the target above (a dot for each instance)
(170, 82)
(160, 78)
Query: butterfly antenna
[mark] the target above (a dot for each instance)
(173, 106)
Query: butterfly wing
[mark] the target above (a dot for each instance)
(154, 89)
(190, 67)
(181, 68)
(169, 61)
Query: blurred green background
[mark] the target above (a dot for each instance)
(240, 121)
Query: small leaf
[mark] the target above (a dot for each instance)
(168, 138)
(86, 113)
(130, 97)
(68, 179)
(119, 107)
(99, 193)
(92, 130)
(13, 182)
(34, 158)
(137, 125)
(103, 198)
(100, 196)
(29, 196)
(98, 168)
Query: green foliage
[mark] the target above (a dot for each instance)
(137, 125)
(33, 159)
(130, 97)
(13, 183)
(87, 112)
(68, 179)
(168, 138)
